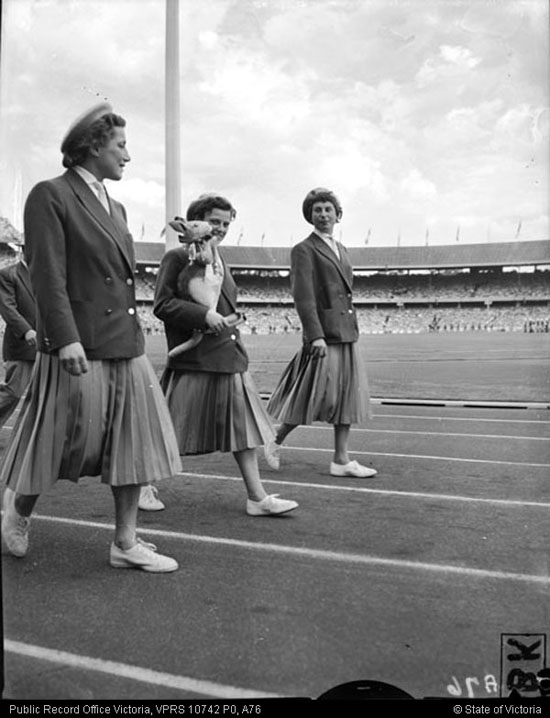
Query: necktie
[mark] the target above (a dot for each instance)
(102, 195)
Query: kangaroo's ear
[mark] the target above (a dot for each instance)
(179, 224)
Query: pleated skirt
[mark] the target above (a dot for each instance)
(215, 412)
(111, 422)
(333, 389)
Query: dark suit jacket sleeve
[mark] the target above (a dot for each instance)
(304, 292)
(8, 304)
(168, 307)
(45, 252)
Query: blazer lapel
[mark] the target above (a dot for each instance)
(24, 277)
(114, 225)
(341, 264)
(229, 288)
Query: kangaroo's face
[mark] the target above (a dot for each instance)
(197, 235)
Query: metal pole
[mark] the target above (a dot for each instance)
(172, 121)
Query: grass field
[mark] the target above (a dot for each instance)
(464, 366)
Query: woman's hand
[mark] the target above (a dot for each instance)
(30, 338)
(318, 348)
(215, 321)
(73, 359)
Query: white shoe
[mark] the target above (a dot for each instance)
(15, 528)
(143, 556)
(148, 499)
(272, 453)
(353, 468)
(270, 506)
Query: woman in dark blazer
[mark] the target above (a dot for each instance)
(17, 308)
(326, 380)
(94, 407)
(211, 396)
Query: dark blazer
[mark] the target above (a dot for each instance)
(82, 265)
(18, 309)
(322, 288)
(222, 353)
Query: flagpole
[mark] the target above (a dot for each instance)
(172, 121)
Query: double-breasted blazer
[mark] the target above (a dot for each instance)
(321, 285)
(82, 268)
(18, 310)
(223, 352)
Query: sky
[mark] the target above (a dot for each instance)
(428, 118)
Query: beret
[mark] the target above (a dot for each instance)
(81, 124)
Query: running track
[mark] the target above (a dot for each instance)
(409, 578)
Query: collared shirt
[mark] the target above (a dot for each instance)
(329, 240)
(94, 184)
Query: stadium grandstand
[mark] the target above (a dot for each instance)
(464, 287)
(500, 286)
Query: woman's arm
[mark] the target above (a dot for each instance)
(303, 283)
(45, 251)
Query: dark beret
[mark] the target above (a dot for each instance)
(81, 124)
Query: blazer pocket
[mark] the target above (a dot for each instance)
(331, 321)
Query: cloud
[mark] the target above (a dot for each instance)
(416, 112)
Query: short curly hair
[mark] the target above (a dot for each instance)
(95, 135)
(206, 203)
(320, 194)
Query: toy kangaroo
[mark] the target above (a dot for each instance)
(201, 279)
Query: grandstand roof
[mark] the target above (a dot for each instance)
(496, 254)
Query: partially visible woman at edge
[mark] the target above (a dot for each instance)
(326, 380)
(211, 396)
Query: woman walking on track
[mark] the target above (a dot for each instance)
(94, 406)
(211, 396)
(326, 380)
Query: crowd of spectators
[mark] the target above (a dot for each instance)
(412, 320)
(531, 318)
(392, 320)
(392, 287)
(259, 296)
(460, 286)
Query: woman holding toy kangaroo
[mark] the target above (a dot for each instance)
(211, 396)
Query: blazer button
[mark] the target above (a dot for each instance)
(108, 311)
(129, 282)
(108, 280)
(131, 311)
(350, 311)
(233, 336)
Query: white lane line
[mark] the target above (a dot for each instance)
(466, 404)
(383, 492)
(422, 456)
(469, 419)
(350, 558)
(359, 430)
(134, 673)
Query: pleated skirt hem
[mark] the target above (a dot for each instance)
(333, 389)
(215, 412)
(111, 422)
